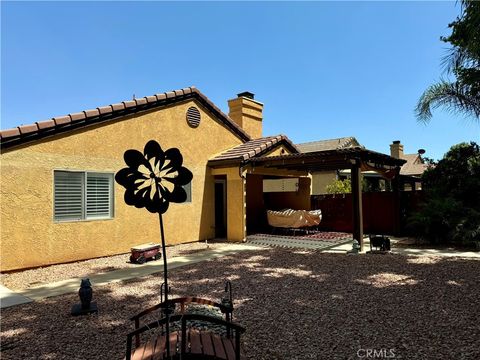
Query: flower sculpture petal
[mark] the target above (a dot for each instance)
(154, 179)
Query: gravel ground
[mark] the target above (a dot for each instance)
(294, 304)
(34, 277)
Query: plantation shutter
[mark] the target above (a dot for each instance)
(68, 195)
(99, 195)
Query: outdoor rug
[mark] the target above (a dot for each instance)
(319, 240)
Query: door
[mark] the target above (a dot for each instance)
(220, 209)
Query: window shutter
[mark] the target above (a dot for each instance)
(99, 195)
(68, 195)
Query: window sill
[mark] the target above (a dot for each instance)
(82, 220)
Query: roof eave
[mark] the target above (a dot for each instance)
(27, 134)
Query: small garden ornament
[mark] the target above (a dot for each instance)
(154, 179)
(355, 247)
(86, 306)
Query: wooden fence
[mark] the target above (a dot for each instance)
(383, 212)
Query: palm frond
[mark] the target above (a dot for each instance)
(454, 97)
(454, 59)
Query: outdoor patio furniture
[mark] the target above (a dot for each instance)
(289, 220)
(187, 341)
(380, 243)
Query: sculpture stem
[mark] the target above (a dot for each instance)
(165, 279)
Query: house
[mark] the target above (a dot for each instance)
(320, 180)
(60, 202)
(59, 199)
(414, 167)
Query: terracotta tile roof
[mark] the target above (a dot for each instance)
(255, 147)
(329, 144)
(41, 129)
(413, 166)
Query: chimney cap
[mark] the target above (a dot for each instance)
(246, 94)
(396, 141)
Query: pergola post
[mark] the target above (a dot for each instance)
(397, 203)
(357, 203)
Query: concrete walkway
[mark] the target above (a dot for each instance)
(447, 252)
(9, 298)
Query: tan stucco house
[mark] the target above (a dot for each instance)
(60, 202)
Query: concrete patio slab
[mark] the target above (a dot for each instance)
(294, 242)
(9, 298)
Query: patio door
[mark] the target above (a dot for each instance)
(220, 208)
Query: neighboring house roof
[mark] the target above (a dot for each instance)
(330, 144)
(413, 166)
(41, 129)
(254, 148)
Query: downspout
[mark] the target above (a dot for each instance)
(244, 163)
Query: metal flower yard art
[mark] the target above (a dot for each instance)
(153, 180)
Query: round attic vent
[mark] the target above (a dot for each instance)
(193, 116)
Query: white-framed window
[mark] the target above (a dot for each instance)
(82, 195)
(188, 190)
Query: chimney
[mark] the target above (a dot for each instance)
(396, 150)
(247, 113)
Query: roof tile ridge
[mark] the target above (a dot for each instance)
(233, 123)
(290, 142)
(85, 115)
(99, 110)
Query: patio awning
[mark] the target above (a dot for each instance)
(357, 159)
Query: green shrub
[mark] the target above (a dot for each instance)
(451, 211)
(339, 187)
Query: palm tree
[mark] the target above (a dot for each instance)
(463, 62)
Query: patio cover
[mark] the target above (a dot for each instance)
(354, 158)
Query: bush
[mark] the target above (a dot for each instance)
(451, 211)
(339, 187)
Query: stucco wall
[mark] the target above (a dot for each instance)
(236, 204)
(280, 150)
(298, 200)
(29, 235)
(320, 180)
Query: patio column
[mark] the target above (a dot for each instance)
(236, 202)
(236, 207)
(357, 203)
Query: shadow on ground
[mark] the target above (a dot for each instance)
(294, 304)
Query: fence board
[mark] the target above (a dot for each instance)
(379, 213)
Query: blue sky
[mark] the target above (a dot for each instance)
(323, 69)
